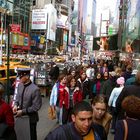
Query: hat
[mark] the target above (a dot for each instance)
(112, 73)
(134, 72)
(120, 81)
(82, 71)
(23, 71)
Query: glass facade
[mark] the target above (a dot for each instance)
(132, 32)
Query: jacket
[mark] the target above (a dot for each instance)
(6, 122)
(54, 95)
(60, 133)
(85, 87)
(114, 95)
(76, 96)
(133, 130)
(127, 90)
(6, 114)
(29, 100)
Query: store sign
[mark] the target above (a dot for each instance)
(39, 19)
(15, 27)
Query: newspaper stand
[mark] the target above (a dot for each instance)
(41, 77)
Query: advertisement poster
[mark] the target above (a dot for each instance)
(105, 43)
(14, 38)
(26, 40)
(39, 19)
(52, 16)
(20, 40)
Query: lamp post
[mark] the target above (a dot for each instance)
(8, 60)
(1, 39)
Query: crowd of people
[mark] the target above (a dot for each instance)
(90, 100)
(103, 85)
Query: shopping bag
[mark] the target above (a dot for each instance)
(51, 113)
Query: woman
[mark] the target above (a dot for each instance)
(75, 95)
(131, 105)
(97, 83)
(84, 84)
(100, 114)
(112, 100)
(57, 99)
(6, 118)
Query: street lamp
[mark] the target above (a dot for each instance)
(1, 38)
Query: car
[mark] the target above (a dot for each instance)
(59, 59)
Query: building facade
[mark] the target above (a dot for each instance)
(132, 35)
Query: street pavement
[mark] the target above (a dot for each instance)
(45, 125)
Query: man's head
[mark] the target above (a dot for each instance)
(82, 117)
(23, 74)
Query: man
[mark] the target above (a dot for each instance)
(131, 80)
(109, 84)
(54, 72)
(27, 103)
(133, 89)
(81, 127)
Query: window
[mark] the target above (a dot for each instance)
(12, 72)
(2, 74)
(34, 2)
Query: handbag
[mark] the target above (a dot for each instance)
(51, 113)
(3, 129)
(125, 129)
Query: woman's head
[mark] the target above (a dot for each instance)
(83, 75)
(131, 105)
(72, 82)
(62, 79)
(98, 76)
(120, 81)
(1, 90)
(99, 105)
(106, 75)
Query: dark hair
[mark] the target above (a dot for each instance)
(100, 99)
(81, 106)
(61, 76)
(131, 105)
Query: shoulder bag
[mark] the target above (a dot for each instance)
(125, 129)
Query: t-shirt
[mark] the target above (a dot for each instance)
(89, 136)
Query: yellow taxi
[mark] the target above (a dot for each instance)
(12, 72)
(59, 59)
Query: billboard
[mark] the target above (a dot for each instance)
(39, 19)
(105, 43)
(52, 16)
(15, 27)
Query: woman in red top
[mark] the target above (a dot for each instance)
(6, 117)
(62, 105)
(75, 95)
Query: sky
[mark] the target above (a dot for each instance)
(103, 6)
